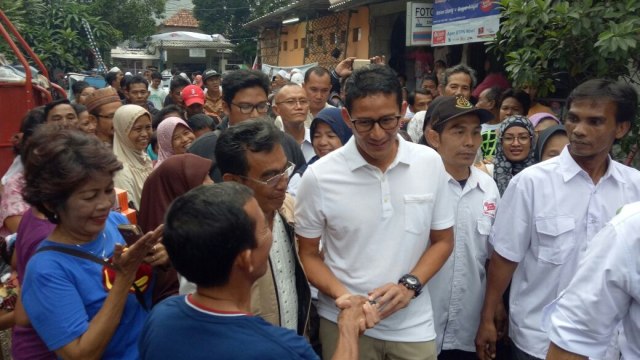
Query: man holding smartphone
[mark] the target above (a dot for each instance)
(381, 207)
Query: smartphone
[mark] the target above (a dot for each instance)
(359, 63)
(130, 232)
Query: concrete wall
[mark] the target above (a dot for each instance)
(359, 20)
(294, 37)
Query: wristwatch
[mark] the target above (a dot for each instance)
(412, 283)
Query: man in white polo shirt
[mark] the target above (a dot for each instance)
(551, 211)
(604, 292)
(457, 289)
(381, 207)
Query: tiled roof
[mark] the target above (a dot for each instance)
(183, 18)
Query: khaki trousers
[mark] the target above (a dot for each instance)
(375, 349)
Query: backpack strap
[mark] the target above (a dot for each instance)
(98, 260)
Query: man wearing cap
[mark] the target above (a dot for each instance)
(102, 105)
(457, 289)
(193, 98)
(213, 100)
(383, 211)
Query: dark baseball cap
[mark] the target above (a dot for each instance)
(451, 107)
(209, 73)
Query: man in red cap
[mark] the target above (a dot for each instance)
(193, 98)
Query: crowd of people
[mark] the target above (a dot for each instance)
(327, 214)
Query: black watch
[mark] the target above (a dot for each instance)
(412, 283)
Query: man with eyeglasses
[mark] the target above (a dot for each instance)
(383, 211)
(102, 105)
(548, 217)
(292, 106)
(251, 153)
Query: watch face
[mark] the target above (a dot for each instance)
(411, 281)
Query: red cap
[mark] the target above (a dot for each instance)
(192, 94)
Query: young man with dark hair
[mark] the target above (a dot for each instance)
(430, 82)
(418, 100)
(217, 237)
(489, 100)
(60, 110)
(175, 91)
(137, 93)
(458, 288)
(251, 154)
(557, 207)
(244, 97)
(317, 84)
(459, 80)
(386, 229)
(156, 93)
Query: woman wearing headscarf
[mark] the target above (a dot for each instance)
(174, 177)
(515, 150)
(174, 138)
(328, 132)
(132, 133)
(551, 142)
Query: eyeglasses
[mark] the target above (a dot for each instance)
(245, 108)
(275, 180)
(522, 139)
(293, 102)
(386, 123)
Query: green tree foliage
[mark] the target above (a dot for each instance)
(544, 42)
(54, 29)
(227, 17)
(133, 18)
(583, 39)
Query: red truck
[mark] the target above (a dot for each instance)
(20, 90)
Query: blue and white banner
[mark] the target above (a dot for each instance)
(464, 21)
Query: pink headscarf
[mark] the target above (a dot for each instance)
(165, 137)
(537, 117)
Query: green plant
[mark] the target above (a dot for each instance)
(548, 42)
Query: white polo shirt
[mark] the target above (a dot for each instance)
(604, 291)
(457, 290)
(375, 226)
(548, 215)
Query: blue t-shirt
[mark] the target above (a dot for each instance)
(179, 329)
(62, 293)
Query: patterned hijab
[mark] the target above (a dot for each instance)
(505, 169)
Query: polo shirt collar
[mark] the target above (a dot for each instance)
(473, 180)
(569, 168)
(355, 160)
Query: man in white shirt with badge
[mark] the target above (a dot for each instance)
(381, 207)
(551, 211)
(457, 289)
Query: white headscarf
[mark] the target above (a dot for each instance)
(136, 164)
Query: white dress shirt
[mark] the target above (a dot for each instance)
(604, 291)
(375, 226)
(548, 215)
(457, 290)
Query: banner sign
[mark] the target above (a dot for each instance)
(464, 21)
(419, 16)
